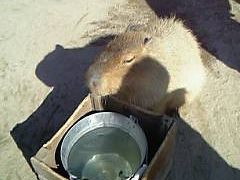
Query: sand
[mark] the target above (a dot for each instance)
(45, 51)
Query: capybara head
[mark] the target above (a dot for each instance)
(125, 69)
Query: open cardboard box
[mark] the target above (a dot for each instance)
(160, 131)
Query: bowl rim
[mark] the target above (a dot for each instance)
(97, 120)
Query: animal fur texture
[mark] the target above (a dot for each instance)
(156, 66)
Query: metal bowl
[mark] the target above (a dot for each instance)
(104, 145)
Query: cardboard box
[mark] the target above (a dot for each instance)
(160, 131)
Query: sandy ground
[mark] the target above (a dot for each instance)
(44, 53)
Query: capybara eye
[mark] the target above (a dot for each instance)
(129, 60)
(147, 40)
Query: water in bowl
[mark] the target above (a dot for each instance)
(104, 154)
(106, 167)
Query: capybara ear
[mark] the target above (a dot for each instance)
(59, 47)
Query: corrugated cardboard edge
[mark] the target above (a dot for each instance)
(44, 160)
(47, 153)
(163, 157)
(44, 172)
(162, 161)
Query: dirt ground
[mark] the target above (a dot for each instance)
(46, 47)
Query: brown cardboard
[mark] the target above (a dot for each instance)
(44, 161)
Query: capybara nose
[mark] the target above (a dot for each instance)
(94, 83)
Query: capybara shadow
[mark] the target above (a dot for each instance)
(195, 159)
(64, 70)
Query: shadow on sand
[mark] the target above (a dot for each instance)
(64, 69)
(212, 23)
